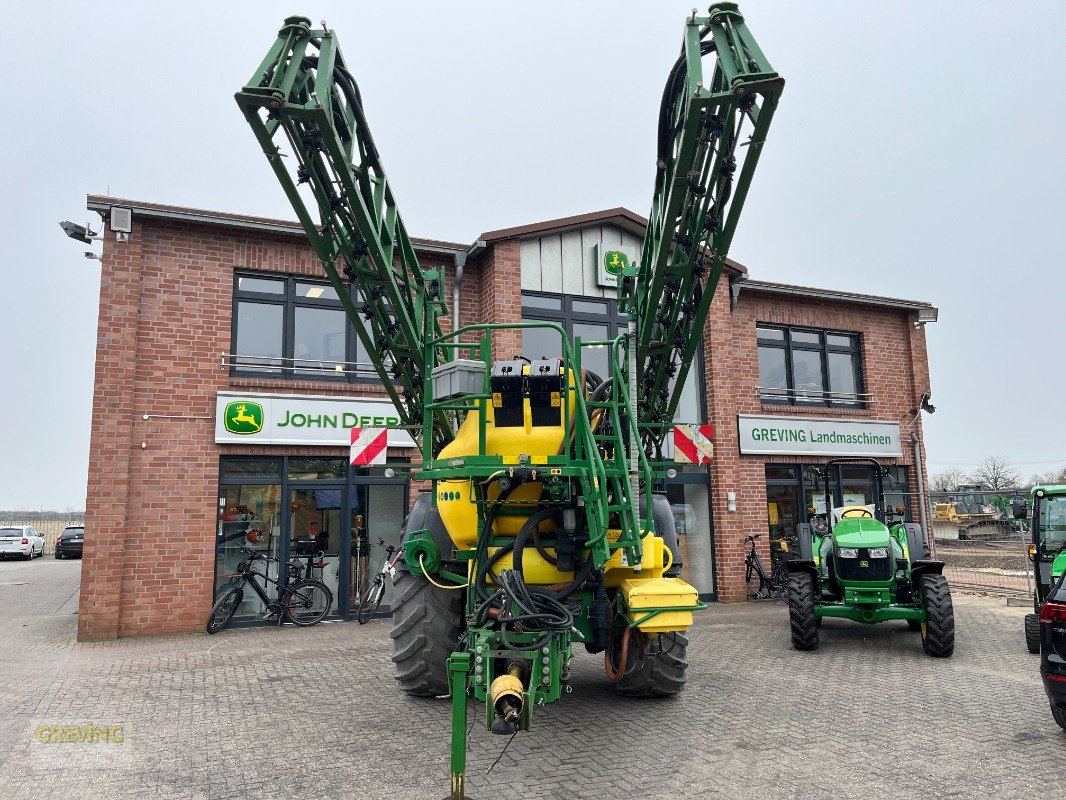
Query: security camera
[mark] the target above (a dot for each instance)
(91, 255)
(79, 233)
(928, 407)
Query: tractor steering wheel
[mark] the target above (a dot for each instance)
(858, 513)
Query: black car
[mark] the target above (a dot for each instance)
(1053, 650)
(70, 541)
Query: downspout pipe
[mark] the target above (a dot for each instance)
(922, 505)
(460, 262)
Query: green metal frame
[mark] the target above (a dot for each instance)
(699, 196)
(302, 97)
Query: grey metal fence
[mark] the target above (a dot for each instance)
(991, 565)
(50, 524)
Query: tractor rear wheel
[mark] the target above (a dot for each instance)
(939, 638)
(801, 616)
(1032, 633)
(425, 631)
(656, 674)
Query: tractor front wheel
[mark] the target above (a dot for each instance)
(801, 616)
(1032, 633)
(425, 631)
(939, 638)
(656, 671)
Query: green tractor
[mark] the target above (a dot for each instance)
(863, 563)
(1047, 550)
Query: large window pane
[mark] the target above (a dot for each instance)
(593, 358)
(318, 340)
(773, 377)
(247, 517)
(259, 336)
(896, 494)
(692, 517)
(842, 378)
(539, 342)
(807, 375)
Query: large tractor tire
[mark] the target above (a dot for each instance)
(939, 638)
(425, 631)
(801, 616)
(1032, 633)
(426, 621)
(656, 674)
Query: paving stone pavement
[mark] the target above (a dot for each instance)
(312, 713)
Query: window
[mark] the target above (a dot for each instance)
(295, 328)
(594, 319)
(588, 318)
(800, 366)
(794, 493)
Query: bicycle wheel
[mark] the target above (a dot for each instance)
(307, 602)
(224, 608)
(751, 579)
(370, 601)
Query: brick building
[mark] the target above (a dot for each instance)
(205, 315)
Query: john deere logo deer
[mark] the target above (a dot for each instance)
(244, 416)
(614, 261)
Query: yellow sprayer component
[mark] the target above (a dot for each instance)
(643, 596)
(539, 572)
(536, 442)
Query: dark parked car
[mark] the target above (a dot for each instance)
(70, 541)
(1053, 650)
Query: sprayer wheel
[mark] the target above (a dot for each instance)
(655, 672)
(425, 631)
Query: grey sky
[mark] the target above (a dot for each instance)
(915, 153)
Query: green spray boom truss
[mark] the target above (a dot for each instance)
(705, 124)
(303, 91)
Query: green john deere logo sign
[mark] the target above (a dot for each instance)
(244, 416)
(614, 261)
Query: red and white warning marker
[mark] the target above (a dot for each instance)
(369, 446)
(692, 444)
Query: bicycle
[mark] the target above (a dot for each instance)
(760, 583)
(303, 603)
(371, 599)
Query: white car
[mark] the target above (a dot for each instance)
(20, 540)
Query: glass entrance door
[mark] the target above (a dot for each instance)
(315, 533)
(377, 515)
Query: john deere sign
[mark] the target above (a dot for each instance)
(765, 435)
(250, 418)
(612, 260)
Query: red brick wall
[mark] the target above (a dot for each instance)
(165, 321)
(165, 313)
(895, 371)
(501, 295)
